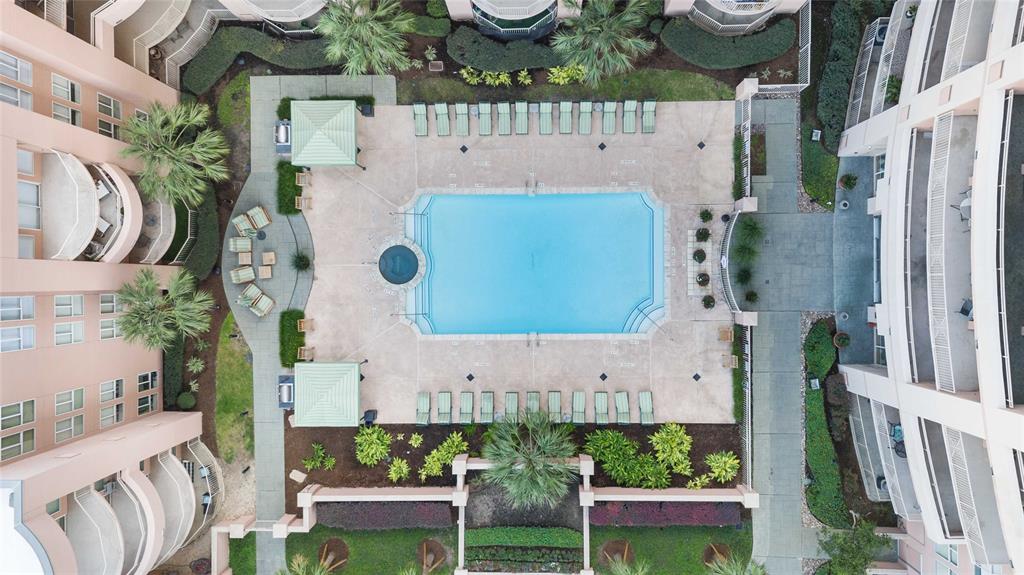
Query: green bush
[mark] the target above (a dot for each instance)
(291, 338)
(511, 557)
(443, 455)
(837, 73)
(619, 458)
(560, 537)
(656, 26)
(206, 250)
(437, 8)
(738, 373)
(203, 71)
(825, 493)
(233, 104)
(852, 552)
(432, 27)
(287, 189)
(738, 190)
(173, 362)
(819, 353)
(320, 459)
(725, 52)
(724, 465)
(284, 107)
(373, 445)
(398, 470)
(819, 168)
(471, 48)
(186, 400)
(749, 231)
(703, 234)
(672, 447)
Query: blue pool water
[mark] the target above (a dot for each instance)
(551, 263)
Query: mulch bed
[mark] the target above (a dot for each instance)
(615, 549)
(758, 154)
(714, 552)
(431, 554)
(337, 551)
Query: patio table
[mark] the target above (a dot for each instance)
(269, 258)
(266, 272)
(245, 258)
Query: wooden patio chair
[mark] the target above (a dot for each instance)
(304, 325)
(306, 353)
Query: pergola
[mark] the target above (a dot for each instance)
(326, 394)
(324, 133)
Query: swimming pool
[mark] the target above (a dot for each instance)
(550, 263)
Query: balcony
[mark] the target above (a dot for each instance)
(959, 39)
(888, 439)
(159, 222)
(866, 71)
(145, 28)
(869, 458)
(1010, 259)
(287, 10)
(94, 532)
(915, 258)
(505, 24)
(731, 17)
(174, 485)
(133, 523)
(69, 210)
(205, 473)
(177, 49)
(893, 59)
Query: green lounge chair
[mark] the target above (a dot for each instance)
(608, 122)
(532, 401)
(239, 245)
(461, 119)
(522, 118)
(249, 295)
(422, 408)
(629, 117)
(241, 275)
(442, 123)
(444, 408)
(419, 118)
(647, 117)
(586, 118)
(243, 225)
(484, 127)
(466, 407)
(579, 406)
(565, 117)
(621, 408)
(487, 407)
(262, 306)
(646, 408)
(555, 406)
(511, 405)
(545, 119)
(504, 119)
(601, 408)
(259, 216)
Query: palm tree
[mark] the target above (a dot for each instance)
(602, 40)
(734, 566)
(528, 453)
(158, 319)
(178, 152)
(621, 567)
(367, 35)
(301, 565)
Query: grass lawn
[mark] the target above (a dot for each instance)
(233, 104)
(673, 550)
(820, 169)
(372, 552)
(243, 555)
(234, 394)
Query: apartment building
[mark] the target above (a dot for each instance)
(95, 477)
(938, 415)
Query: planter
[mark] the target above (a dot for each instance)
(436, 66)
(844, 205)
(703, 279)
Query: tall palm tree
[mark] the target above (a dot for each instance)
(602, 40)
(158, 319)
(527, 454)
(178, 152)
(367, 35)
(734, 566)
(301, 565)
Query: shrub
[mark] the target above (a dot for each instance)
(725, 52)
(744, 254)
(819, 169)
(825, 493)
(699, 256)
(471, 48)
(373, 444)
(287, 189)
(619, 458)
(607, 446)
(432, 27)
(656, 26)
(186, 401)
(201, 345)
(565, 75)
(206, 251)
(523, 78)
(744, 276)
(560, 537)
(672, 447)
(738, 190)
(750, 231)
(437, 8)
(497, 79)
(526, 456)
(233, 104)
(398, 470)
(724, 465)
(848, 181)
(853, 551)
(300, 261)
(819, 353)
(430, 52)
(837, 72)
(703, 279)
(385, 515)
(893, 87)
(699, 482)
(703, 234)
(415, 440)
(841, 340)
(522, 559)
(651, 514)
(291, 339)
(751, 296)
(442, 455)
(706, 215)
(470, 76)
(173, 362)
(195, 365)
(319, 459)
(708, 301)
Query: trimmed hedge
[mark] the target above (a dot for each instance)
(284, 107)
(471, 48)
(203, 71)
(206, 250)
(524, 537)
(819, 353)
(837, 73)
(287, 189)
(375, 515)
(713, 52)
(524, 559)
(173, 364)
(291, 338)
(825, 493)
(650, 514)
(432, 27)
(820, 168)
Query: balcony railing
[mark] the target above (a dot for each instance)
(868, 457)
(300, 9)
(506, 28)
(964, 494)
(190, 239)
(192, 46)
(892, 478)
(86, 208)
(746, 431)
(885, 62)
(94, 535)
(803, 78)
(863, 69)
(712, 25)
(937, 206)
(161, 28)
(175, 488)
(958, 30)
(1004, 333)
(525, 10)
(208, 482)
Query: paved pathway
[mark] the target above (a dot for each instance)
(285, 236)
(853, 253)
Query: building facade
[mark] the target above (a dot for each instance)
(938, 417)
(731, 17)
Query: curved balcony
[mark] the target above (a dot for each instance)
(145, 28)
(134, 528)
(141, 489)
(286, 10)
(121, 207)
(70, 207)
(513, 9)
(179, 500)
(158, 225)
(532, 26)
(95, 533)
(731, 17)
(205, 473)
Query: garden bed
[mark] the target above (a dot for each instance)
(673, 550)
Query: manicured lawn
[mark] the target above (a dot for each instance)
(243, 555)
(738, 397)
(673, 550)
(234, 394)
(233, 104)
(291, 339)
(820, 168)
(372, 552)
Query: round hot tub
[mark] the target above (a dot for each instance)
(398, 264)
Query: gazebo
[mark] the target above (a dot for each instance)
(326, 394)
(324, 133)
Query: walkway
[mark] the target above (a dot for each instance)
(289, 289)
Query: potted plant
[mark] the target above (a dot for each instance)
(847, 181)
(911, 11)
(703, 234)
(706, 215)
(708, 301)
(703, 279)
(699, 256)
(841, 339)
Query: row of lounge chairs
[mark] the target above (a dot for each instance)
(446, 415)
(248, 225)
(545, 113)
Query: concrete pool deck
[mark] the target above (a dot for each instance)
(356, 314)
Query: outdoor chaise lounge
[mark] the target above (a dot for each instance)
(555, 406)
(504, 119)
(629, 117)
(522, 118)
(259, 216)
(621, 408)
(565, 117)
(647, 117)
(545, 119)
(466, 407)
(461, 119)
(601, 408)
(484, 127)
(257, 301)
(487, 407)
(243, 225)
(444, 407)
(511, 404)
(646, 408)
(239, 245)
(243, 274)
(608, 120)
(422, 408)
(532, 401)
(419, 118)
(579, 407)
(442, 123)
(586, 118)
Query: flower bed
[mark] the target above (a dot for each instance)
(385, 515)
(651, 514)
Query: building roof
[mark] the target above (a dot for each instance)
(324, 133)
(326, 394)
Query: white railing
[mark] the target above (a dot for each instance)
(908, 292)
(161, 28)
(958, 29)
(748, 408)
(85, 199)
(302, 9)
(715, 27)
(860, 78)
(110, 546)
(730, 297)
(177, 476)
(159, 244)
(803, 78)
(746, 115)
(892, 35)
(130, 564)
(860, 432)
(964, 496)
(741, 7)
(208, 477)
(1004, 333)
(192, 46)
(513, 12)
(1018, 35)
(936, 253)
(482, 20)
(190, 240)
(56, 12)
(892, 479)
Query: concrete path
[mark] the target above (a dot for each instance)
(853, 254)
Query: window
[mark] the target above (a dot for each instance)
(15, 68)
(147, 381)
(67, 115)
(66, 89)
(109, 303)
(111, 390)
(941, 569)
(69, 305)
(147, 403)
(17, 444)
(110, 328)
(53, 507)
(142, 114)
(28, 205)
(948, 552)
(15, 414)
(26, 162)
(69, 333)
(68, 401)
(69, 428)
(26, 247)
(15, 96)
(108, 106)
(17, 338)
(108, 129)
(15, 307)
(111, 414)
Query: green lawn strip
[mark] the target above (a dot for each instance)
(820, 168)
(524, 537)
(234, 394)
(714, 52)
(738, 397)
(173, 362)
(233, 104)
(372, 552)
(206, 250)
(825, 493)
(291, 338)
(674, 550)
(287, 189)
(243, 555)
(738, 189)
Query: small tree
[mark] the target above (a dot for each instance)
(527, 454)
(852, 551)
(603, 40)
(157, 319)
(734, 566)
(366, 36)
(301, 565)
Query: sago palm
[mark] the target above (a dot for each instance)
(528, 454)
(179, 154)
(734, 566)
(366, 35)
(620, 567)
(301, 565)
(603, 40)
(157, 319)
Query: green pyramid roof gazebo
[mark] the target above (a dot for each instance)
(324, 133)
(326, 394)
